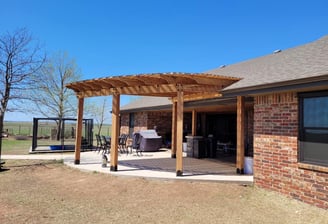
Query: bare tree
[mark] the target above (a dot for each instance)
(20, 58)
(52, 98)
(99, 113)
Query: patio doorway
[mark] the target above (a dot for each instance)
(223, 127)
(221, 132)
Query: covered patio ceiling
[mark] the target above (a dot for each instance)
(194, 85)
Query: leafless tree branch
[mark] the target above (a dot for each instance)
(20, 58)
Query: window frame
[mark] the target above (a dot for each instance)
(302, 129)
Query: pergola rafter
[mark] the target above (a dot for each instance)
(155, 84)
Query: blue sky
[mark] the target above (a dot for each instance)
(123, 37)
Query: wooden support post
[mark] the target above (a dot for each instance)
(78, 137)
(194, 123)
(174, 130)
(240, 134)
(179, 131)
(115, 132)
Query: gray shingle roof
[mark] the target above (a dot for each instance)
(306, 61)
(146, 102)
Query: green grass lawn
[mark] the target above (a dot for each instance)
(15, 147)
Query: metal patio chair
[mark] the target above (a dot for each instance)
(106, 144)
(122, 143)
(136, 138)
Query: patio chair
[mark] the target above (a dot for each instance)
(136, 138)
(106, 144)
(122, 143)
(128, 146)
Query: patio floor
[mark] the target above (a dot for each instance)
(161, 165)
(151, 165)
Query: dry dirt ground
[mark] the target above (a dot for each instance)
(50, 192)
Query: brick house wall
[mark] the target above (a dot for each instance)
(162, 120)
(140, 122)
(147, 120)
(124, 119)
(276, 151)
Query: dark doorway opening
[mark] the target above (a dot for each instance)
(221, 136)
(223, 127)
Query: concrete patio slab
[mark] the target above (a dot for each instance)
(158, 165)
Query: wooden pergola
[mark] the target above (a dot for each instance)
(180, 87)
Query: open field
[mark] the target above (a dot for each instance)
(49, 192)
(26, 128)
(18, 128)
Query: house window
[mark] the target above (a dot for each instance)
(313, 132)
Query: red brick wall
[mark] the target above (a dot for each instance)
(276, 151)
(140, 122)
(124, 124)
(147, 120)
(163, 121)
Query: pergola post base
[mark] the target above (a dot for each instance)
(113, 168)
(77, 162)
(179, 173)
(240, 171)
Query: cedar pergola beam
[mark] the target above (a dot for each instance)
(79, 124)
(194, 123)
(191, 92)
(115, 132)
(240, 134)
(199, 96)
(179, 132)
(174, 128)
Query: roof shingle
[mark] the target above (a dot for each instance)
(147, 102)
(306, 61)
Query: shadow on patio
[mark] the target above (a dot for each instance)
(191, 166)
